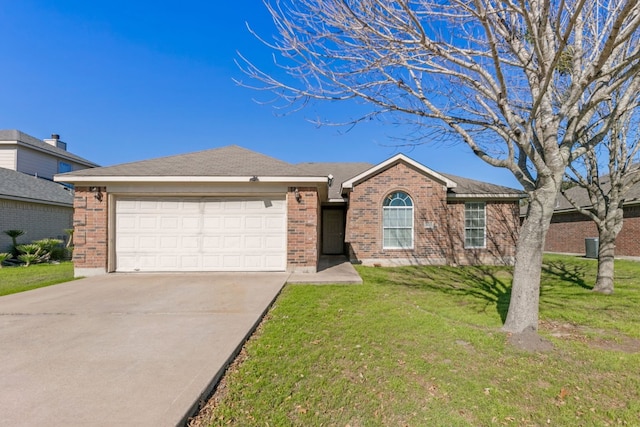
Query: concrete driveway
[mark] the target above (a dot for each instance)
(126, 350)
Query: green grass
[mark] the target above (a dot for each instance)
(20, 279)
(421, 346)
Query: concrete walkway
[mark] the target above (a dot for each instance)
(124, 350)
(331, 270)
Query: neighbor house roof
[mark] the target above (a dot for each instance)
(581, 197)
(224, 162)
(19, 186)
(13, 136)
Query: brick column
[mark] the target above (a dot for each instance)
(90, 232)
(303, 229)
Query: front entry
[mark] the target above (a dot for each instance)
(332, 231)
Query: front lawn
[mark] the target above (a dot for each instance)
(19, 279)
(421, 346)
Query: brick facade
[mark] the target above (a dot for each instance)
(37, 220)
(568, 231)
(90, 235)
(303, 229)
(438, 225)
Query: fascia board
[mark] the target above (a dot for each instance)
(387, 163)
(513, 196)
(39, 201)
(221, 179)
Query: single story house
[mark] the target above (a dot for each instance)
(232, 209)
(41, 208)
(569, 229)
(29, 199)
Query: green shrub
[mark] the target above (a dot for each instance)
(53, 248)
(3, 257)
(14, 234)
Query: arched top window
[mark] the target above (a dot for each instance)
(399, 198)
(397, 221)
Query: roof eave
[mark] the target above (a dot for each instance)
(501, 196)
(70, 178)
(347, 185)
(40, 201)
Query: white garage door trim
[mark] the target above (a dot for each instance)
(200, 234)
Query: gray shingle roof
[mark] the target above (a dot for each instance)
(225, 161)
(17, 185)
(16, 135)
(234, 161)
(581, 197)
(341, 172)
(472, 187)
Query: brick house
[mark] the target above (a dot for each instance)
(29, 199)
(232, 209)
(569, 229)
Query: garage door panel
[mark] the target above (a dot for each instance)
(201, 234)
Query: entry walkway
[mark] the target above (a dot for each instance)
(335, 269)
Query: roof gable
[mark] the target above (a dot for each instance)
(399, 158)
(24, 140)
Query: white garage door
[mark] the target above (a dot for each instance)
(201, 234)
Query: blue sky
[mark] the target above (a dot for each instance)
(123, 81)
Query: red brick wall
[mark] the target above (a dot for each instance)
(90, 229)
(438, 226)
(568, 231)
(303, 229)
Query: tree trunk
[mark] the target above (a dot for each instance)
(525, 291)
(606, 254)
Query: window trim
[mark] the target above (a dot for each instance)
(469, 228)
(389, 208)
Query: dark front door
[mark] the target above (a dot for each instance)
(332, 231)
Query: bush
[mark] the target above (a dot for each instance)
(41, 251)
(3, 257)
(53, 247)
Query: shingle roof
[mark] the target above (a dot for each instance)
(16, 135)
(225, 161)
(581, 197)
(341, 172)
(472, 187)
(17, 185)
(234, 161)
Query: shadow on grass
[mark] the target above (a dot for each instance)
(558, 270)
(489, 285)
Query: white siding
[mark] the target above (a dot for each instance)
(35, 163)
(8, 158)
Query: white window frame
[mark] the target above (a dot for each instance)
(475, 207)
(397, 196)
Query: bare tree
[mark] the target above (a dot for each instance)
(602, 198)
(517, 81)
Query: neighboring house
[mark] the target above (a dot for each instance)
(569, 228)
(29, 199)
(232, 209)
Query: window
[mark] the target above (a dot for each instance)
(474, 225)
(64, 167)
(397, 221)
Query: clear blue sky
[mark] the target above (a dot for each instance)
(123, 81)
